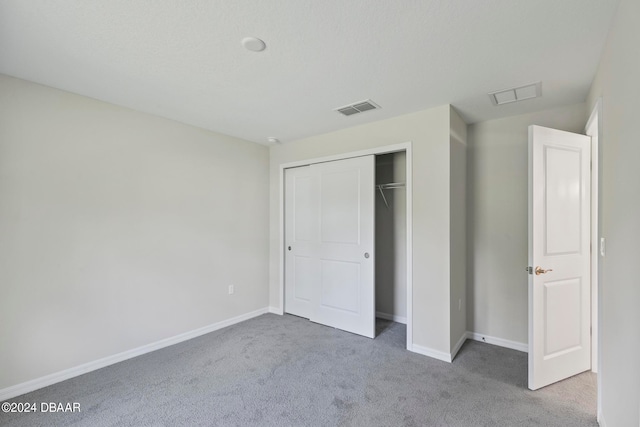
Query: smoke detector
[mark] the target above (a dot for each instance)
(358, 107)
(253, 44)
(515, 94)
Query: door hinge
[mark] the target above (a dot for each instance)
(529, 270)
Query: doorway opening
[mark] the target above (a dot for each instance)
(591, 249)
(390, 237)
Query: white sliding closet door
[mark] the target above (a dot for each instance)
(301, 231)
(345, 295)
(331, 260)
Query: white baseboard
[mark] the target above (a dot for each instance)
(28, 386)
(276, 310)
(446, 357)
(514, 345)
(436, 354)
(391, 317)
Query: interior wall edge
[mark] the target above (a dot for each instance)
(456, 348)
(276, 310)
(430, 352)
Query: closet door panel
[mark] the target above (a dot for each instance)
(344, 298)
(301, 239)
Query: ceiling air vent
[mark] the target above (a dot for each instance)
(358, 107)
(515, 94)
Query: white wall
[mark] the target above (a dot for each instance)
(391, 237)
(119, 229)
(457, 232)
(617, 83)
(497, 220)
(429, 132)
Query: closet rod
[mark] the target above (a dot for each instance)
(389, 186)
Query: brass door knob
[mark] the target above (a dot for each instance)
(540, 271)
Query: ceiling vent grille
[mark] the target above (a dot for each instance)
(358, 107)
(515, 94)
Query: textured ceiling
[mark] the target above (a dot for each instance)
(182, 59)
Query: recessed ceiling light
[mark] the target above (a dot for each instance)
(520, 93)
(273, 140)
(253, 44)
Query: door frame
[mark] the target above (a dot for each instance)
(593, 128)
(386, 149)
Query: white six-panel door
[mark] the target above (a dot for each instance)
(559, 255)
(329, 242)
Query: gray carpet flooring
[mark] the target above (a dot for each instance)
(286, 371)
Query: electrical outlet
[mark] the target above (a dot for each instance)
(603, 246)
(460, 304)
(231, 290)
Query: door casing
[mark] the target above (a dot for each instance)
(594, 130)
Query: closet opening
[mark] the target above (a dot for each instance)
(346, 242)
(391, 242)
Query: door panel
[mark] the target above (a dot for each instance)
(563, 202)
(340, 205)
(340, 282)
(559, 235)
(561, 306)
(303, 203)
